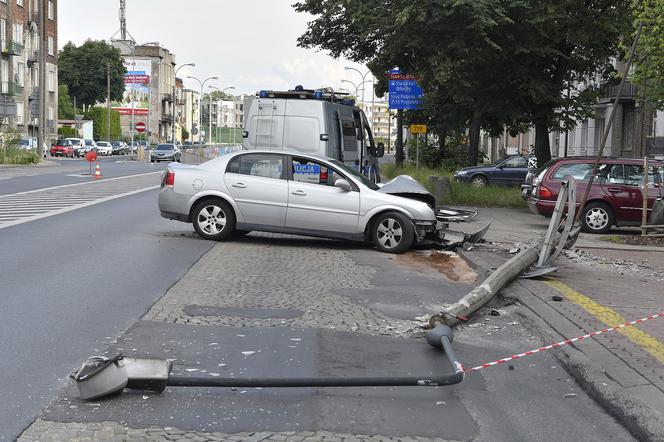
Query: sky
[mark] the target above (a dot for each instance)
(248, 44)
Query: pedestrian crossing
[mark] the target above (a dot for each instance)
(23, 207)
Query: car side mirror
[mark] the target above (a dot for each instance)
(343, 184)
(380, 150)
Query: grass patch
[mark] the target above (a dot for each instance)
(462, 194)
(15, 155)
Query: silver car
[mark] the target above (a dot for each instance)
(289, 192)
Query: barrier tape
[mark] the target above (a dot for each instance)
(561, 343)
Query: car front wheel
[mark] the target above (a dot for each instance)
(478, 181)
(393, 233)
(213, 219)
(597, 218)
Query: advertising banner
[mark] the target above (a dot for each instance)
(137, 84)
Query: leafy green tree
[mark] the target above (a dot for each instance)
(485, 63)
(185, 133)
(83, 70)
(649, 66)
(65, 107)
(98, 115)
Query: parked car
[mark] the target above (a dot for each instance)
(187, 145)
(28, 143)
(290, 192)
(119, 147)
(165, 152)
(90, 145)
(508, 171)
(62, 148)
(104, 148)
(615, 198)
(78, 145)
(533, 172)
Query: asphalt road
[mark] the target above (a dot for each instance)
(72, 283)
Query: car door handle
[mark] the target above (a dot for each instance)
(614, 189)
(299, 192)
(240, 185)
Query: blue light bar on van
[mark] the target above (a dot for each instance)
(318, 95)
(263, 94)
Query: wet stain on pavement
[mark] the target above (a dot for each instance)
(449, 264)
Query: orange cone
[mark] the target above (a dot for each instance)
(97, 172)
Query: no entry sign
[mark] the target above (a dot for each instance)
(140, 126)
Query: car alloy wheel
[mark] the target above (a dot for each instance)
(478, 181)
(393, 233)
(597, 218)
(213, 219)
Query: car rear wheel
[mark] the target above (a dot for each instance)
(597, 218)
(478, 181)
(213, 219)
(393, 233)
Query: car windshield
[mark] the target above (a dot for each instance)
(165, 147)
(370, 184)
(115, 143)
(25, 142)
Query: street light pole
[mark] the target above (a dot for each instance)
(175, 99)
(200, 100)
(210, 119)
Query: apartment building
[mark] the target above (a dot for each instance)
(20, 38)
(383, 125)
(189, 116)
(149, 84)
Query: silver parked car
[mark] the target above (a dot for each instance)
(165, 152)
(289, 192)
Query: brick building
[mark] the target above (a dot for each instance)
(20, 39)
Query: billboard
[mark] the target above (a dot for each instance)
(137, 84)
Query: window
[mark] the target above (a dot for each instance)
(51, 10)
(3, 33)
(580, 171)
(4, 75)
(17, 36)
(262, 165)
(51, 80)
(306, 171)
(614, 174)
(19, 74)
(19, 112)
(51, 46)
(515, 163)
(51, 113)
(19, 2)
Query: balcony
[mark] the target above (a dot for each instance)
(14, 48)
(10, 88)
(167, 97)
(608, 92)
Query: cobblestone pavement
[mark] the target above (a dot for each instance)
(239, 284)
(112, 431)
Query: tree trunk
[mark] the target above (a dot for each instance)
(440, 153)
(398, 154)
(542, 147)
(474, 140)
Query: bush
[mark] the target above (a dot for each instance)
(98, 116)
(68, 132)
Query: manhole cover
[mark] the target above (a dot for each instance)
(242, 312)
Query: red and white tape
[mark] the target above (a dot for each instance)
(558, 344)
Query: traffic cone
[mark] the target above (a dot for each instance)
(97, 172)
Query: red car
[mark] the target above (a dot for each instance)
(615, 198)
(63, 148)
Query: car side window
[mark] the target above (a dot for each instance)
(614, 174)
(262, 165)
(580, 171)
(515, 163)
(307, 171)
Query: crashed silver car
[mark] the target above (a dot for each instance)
(289, 192)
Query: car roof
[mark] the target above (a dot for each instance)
(605, 159)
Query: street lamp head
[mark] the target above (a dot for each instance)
(346, 68)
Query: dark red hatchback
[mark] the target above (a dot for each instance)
(615, 197)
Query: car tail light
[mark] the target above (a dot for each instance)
(544, 193)
(169, 179)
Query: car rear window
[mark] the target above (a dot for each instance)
(580, 171)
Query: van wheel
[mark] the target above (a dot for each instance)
(597, 218)
(392, 233)
(213, 219)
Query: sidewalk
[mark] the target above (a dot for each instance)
(602, 284)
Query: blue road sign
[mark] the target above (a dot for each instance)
(405, 93)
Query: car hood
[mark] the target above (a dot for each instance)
(405, 186)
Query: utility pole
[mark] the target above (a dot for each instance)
(108, 101)
(398, 156)
(41, 141)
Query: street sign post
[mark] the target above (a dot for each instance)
(418, 128)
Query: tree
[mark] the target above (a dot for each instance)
(185, 133)
(218, 95)
(485, 63)
(83, 70)
(649, 66)
(65, 107)
(98, 115)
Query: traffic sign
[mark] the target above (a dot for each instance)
(140, 126)
(418, 128)
(91, 156)
(404, 91)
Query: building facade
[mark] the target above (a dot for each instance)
(382, 121)
(149, 89)
(189, 115)
(20, 38)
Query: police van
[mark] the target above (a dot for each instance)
(319, 122)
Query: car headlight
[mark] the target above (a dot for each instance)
(461, 172)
